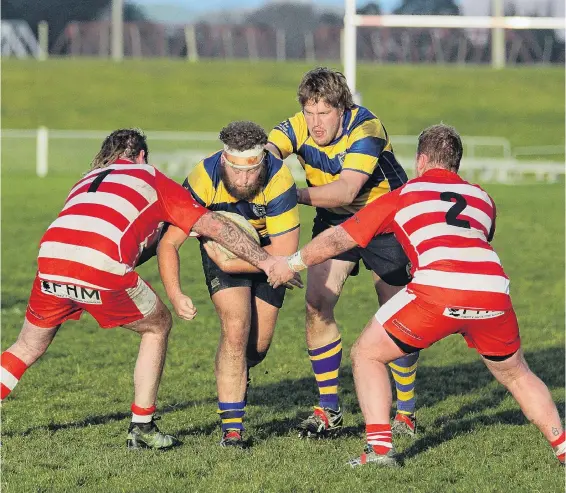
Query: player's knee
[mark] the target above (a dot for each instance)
(508, 370)
(319, 309)
(358, 351)
(163, 321)
(235, 335)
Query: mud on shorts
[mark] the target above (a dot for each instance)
(417, 324)
(217, 280)
(383, 255)
(52, 303)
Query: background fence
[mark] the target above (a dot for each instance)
(43, 151)
(257, 42)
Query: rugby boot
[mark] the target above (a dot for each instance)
(390, 459)
(232, 438)
(147, 435)
(404, 424)
(322, 423)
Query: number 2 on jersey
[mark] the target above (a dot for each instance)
(98, 180)
(455, 210)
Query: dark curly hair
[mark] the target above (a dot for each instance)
(325, 83)
(442, 145)
(243, 135)
(124, 142)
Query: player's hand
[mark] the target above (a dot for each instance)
(210, 247)
(184, 307)
(280, 273)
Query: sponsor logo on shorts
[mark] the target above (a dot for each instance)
(405, 329)
(72, 292)
(215, 283)
(467, 314)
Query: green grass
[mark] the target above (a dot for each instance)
(525, 105)
(64, 427)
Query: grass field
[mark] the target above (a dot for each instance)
(525, 105)
(64, 427)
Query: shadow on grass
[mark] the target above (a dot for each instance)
(108, 418)
(434, 384)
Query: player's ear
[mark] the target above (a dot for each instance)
(141, 158)
(421, 163)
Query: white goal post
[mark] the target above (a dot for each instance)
(496, 23)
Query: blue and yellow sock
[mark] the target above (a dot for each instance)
(325, 363)
(404, 371)
(232, 415)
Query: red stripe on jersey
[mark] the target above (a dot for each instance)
(448, 241)
(99, 211)
(488, 268)
(83, 238)
(76, 270)
(124, 191)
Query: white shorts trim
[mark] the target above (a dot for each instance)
(394, 305)
(143, 297)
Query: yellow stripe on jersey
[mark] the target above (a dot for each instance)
(272, 212)
(364, 147)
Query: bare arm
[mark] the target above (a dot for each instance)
(225, 232)
(328, 244)
(284, 244)
(336, 194)
(168, 261)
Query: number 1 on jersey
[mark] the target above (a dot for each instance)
(455, 210)
(98, 180)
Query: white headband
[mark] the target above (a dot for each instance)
(253, 152)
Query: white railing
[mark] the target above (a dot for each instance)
(486, 159)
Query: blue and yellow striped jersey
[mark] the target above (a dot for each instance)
(363, 146)
(272, 212)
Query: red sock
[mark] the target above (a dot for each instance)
(379, 437)
(12, 370)
(559, 446)
(142, 414)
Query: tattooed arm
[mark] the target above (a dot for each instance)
(225, 232)
(326, 245)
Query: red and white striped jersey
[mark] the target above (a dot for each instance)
(444, 224)
(108, 218)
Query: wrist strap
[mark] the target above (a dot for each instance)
(295, 262)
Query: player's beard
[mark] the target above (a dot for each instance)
(250, 191)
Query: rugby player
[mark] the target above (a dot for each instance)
(445, 225)
(349, 163)
(245, 179)
(86, 263)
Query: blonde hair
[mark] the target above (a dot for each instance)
(324, 83)
(124, 142)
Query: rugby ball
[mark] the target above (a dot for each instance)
(244, 224)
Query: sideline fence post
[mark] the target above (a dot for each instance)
(41, 151)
